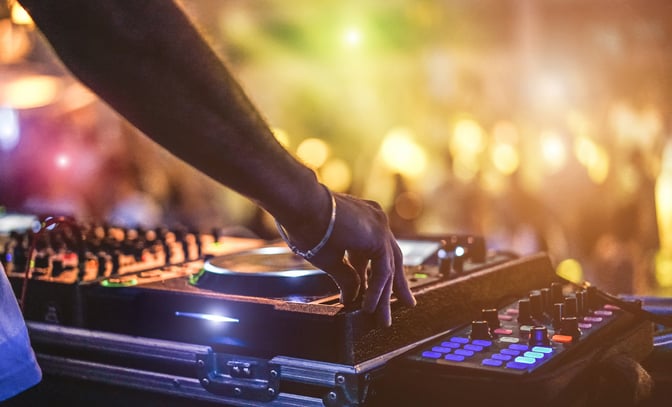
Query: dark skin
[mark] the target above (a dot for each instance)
(148, 61)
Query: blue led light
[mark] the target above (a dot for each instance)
(454, 358)
(442, 349)
(492, 362)
(431, 355)
(482, 342)
(473, 348)
(459, 339)
(500, 356)
(206, 317)
(453, 345)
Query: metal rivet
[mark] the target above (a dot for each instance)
(274, 373)
(332, 395)
(271, 391)
(237, 391)
(200, 363)
(205, 381)
(340, 379)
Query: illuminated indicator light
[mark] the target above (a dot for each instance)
(542, 349)
(561, 338)
(533, 355)
(504, 331)
(603, 313)
(420, 275)
(454, 358)
(459, 339)
(431, 355)
(584, 325)
(592, 319)
(492, 362)
(473, 348)
(463, 352)
(517, 366)
(206, 317)
(505, 317)
(510, 352)
(482, 342)
(459, 251)
(611, 307)
(516, 346)
(525, 360)
(512, 311)
(500, 356)
(509, 339)
(453, 345)
(119, 283)
(441, 349)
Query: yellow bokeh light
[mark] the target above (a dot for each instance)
(505, 158)
(570, 270)
(30, 91)
(20, 16)
(336, 174)
(401, 154)
(352, 37)
(553, 150)
(313, 152)
(594, 157)
(468, 138)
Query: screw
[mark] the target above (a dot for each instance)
(340, 379)
(332, 395)
(274, 373)
(271, 391)
(205, 381)
(200, 363)
(237, 391)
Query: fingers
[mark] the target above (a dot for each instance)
(345, 276)
(400, 286)
(381, 272)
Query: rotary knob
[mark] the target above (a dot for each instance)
(539, 336)
(480, 330)
(492, 316)
(570, 326)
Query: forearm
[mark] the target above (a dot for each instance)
(150, 64)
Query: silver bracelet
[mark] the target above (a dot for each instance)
(312, 252)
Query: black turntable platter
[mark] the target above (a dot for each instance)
(271, 272)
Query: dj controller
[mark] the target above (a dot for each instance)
(218, 320)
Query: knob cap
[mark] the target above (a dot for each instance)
(524, 312)
(570, 327)
(558, 313)
(539, 336)
(536, 305)
(570, 307)
(556, 293)
(492, 316)
(480, 330)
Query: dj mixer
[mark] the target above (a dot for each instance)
(207, 319)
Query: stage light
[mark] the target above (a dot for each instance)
(352, 37)
(401, 154)
(9, 128)
(62, 160)
(553, 150)
(505, 158)
(19, 15)
(30, 91)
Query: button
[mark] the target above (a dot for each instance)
(500, 356)
(533, 355)
(517, 366)
(503, 331)
(512, 311)
(510, 352)
(481, 342)
(473, 348)
(611, 307)
(603, 313)
(464, 352)
(452, 345)
(505, 317)
(525, 328)
(592, 319)
(459, 339)
(562, 338)
(441, 349)
(542, 349)
(492, 362)
(454, 358)
(509, 339)
(516, 346)
(525, 360)
(584, 325)
(430, 354)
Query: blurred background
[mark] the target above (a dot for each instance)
(542, 125)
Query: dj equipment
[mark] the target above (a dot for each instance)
(219, 320)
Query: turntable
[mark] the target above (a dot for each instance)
(266, 301)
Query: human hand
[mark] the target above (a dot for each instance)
(362, 231)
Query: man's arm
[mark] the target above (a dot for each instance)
(147, 61)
